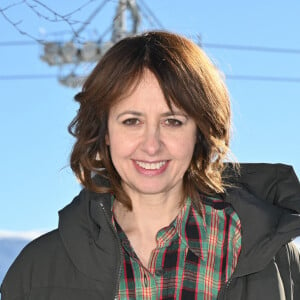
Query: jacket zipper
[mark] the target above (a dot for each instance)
(120, 251)
(223, 292)
(227, 286)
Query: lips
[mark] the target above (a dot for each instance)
(151, 168)
(152, 165)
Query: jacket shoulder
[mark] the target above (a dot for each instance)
(276, 183)
(29, 267)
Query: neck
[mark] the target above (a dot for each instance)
(149, 212)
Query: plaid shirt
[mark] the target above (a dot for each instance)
(194, 256)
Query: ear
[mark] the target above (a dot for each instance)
(107, 139)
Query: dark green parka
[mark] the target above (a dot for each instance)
(81, 259)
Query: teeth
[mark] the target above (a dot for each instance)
(151, 166)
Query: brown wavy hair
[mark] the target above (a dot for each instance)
(188, 79)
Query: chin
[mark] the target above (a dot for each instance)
(152, 190)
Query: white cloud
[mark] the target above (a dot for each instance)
(26, 235)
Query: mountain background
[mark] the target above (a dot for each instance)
(11, 247)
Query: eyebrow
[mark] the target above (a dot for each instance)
(166, 114)
(129, 112)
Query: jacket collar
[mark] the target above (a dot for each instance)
(88, 238)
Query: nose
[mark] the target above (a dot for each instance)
(151, 141)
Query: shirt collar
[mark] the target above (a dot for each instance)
(191, 228)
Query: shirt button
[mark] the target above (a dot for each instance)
(145, 280)
(159, 272)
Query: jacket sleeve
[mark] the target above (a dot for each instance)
(31, 264)
(295, 269)
(12, 287)
(288, 262)
(16, 283)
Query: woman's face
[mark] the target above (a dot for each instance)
(150, 146)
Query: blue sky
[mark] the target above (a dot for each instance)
(36, 180)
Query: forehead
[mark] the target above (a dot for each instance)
(145, 94)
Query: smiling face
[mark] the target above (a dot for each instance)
(151, 146)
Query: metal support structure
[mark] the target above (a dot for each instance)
(69, 53)
(120, 25)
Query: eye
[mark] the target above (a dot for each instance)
(131, 122)
(173, 122)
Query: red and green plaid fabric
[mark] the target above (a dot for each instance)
(194, 256)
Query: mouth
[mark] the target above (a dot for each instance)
(151, 165)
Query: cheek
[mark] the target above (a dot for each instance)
(120, 146)
(182, 152)
(184, 145)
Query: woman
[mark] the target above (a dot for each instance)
(161, 216)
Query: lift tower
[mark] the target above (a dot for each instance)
(72, 54)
